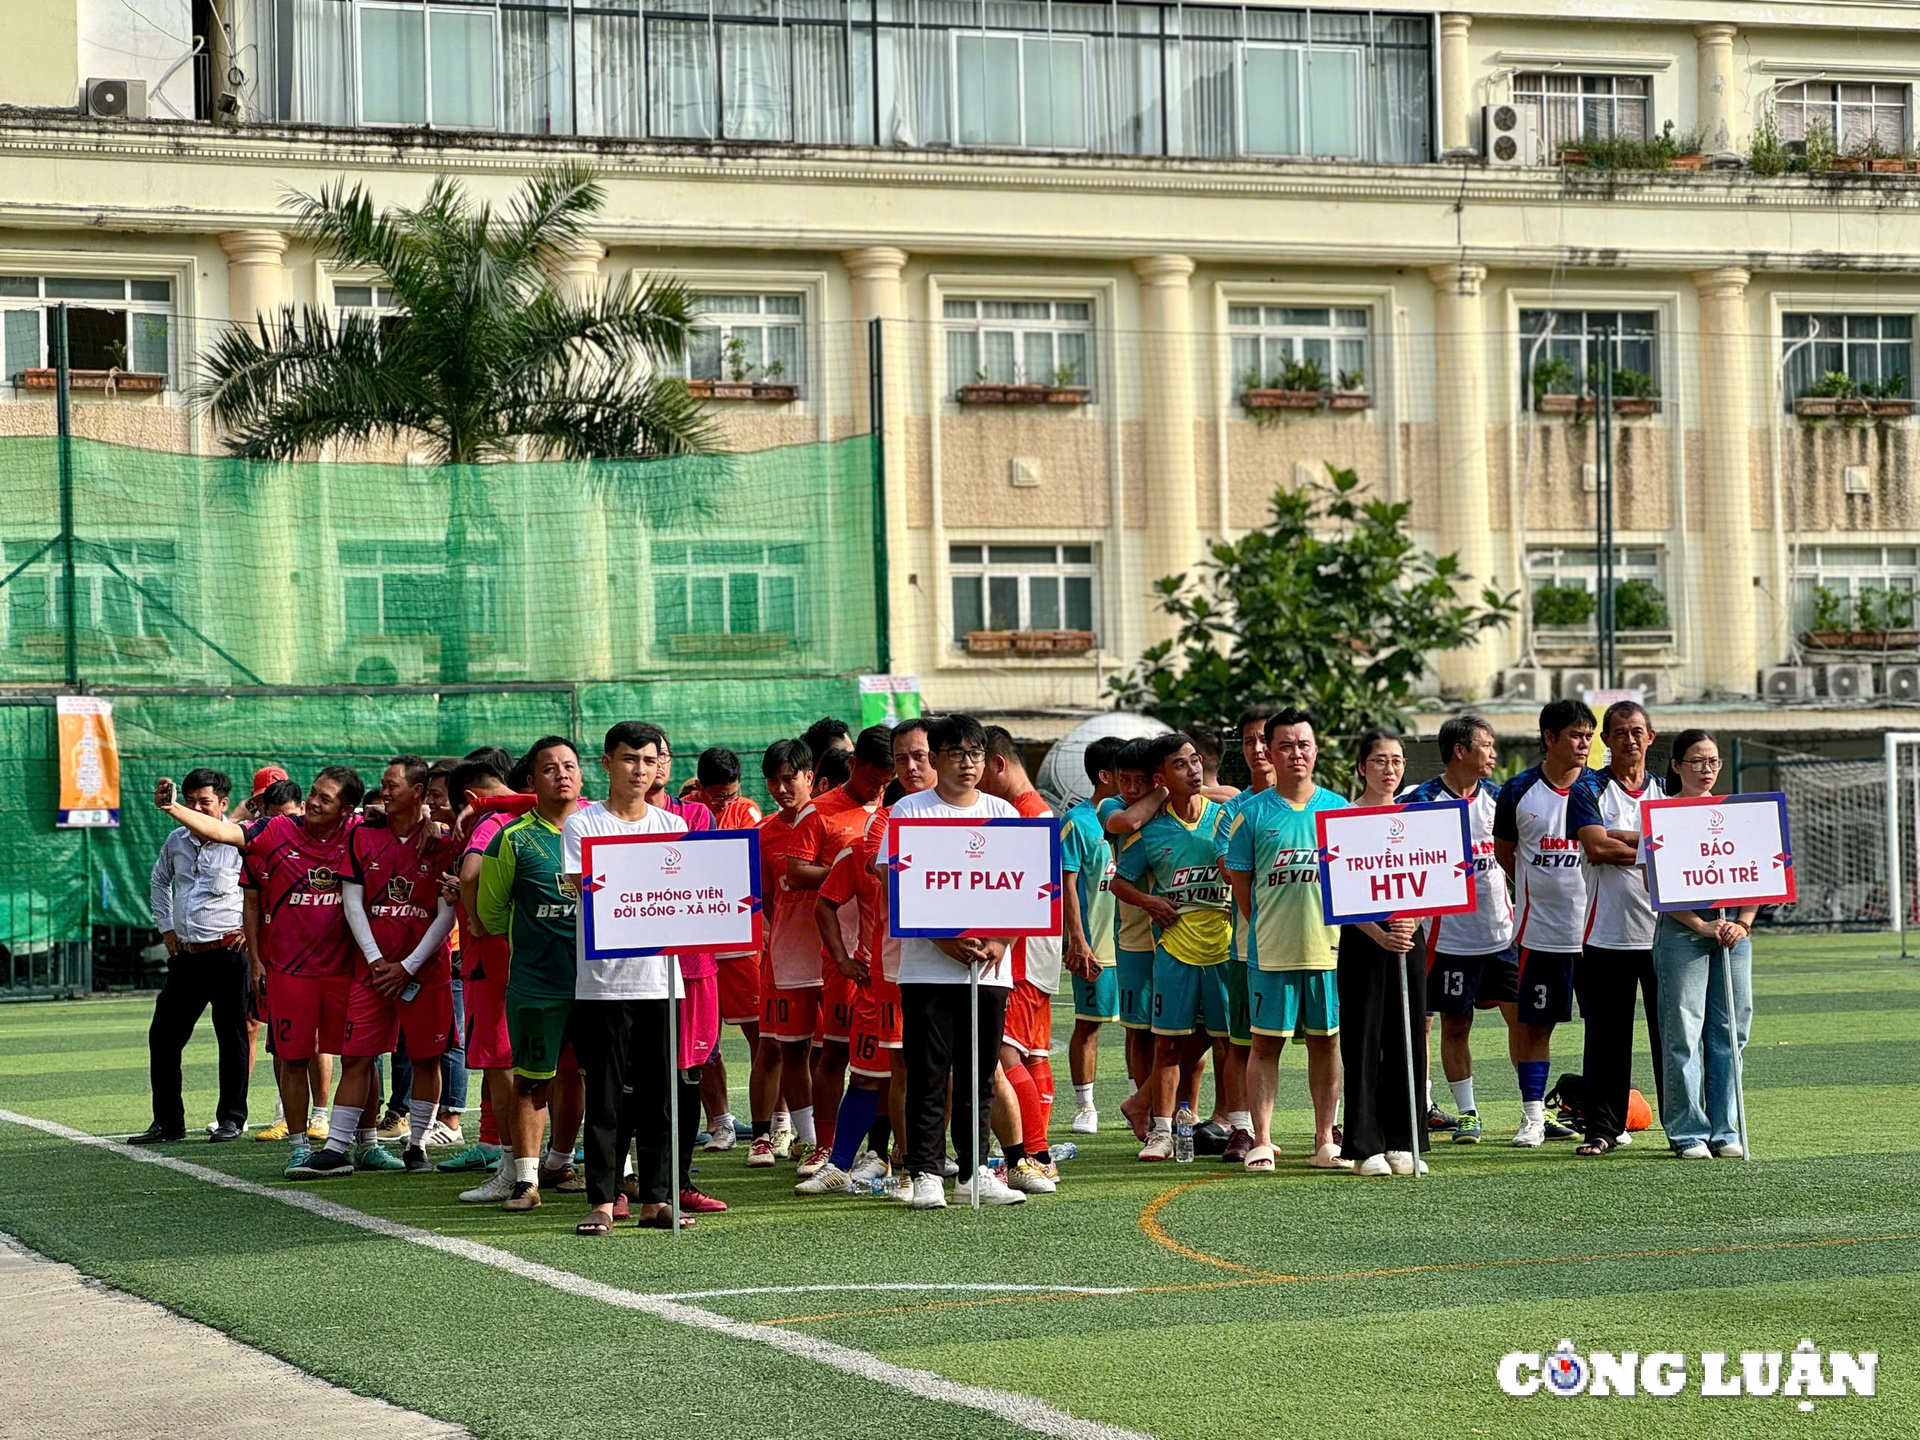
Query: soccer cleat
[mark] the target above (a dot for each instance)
(829, 1179)
(441, 1134)
(491, 1191)
(416, 1161)
(993, 1190)
(1159, 1145)
(393, 1125)
(1557, 1131)
(524, 1196)
(1403, 1162)
(1373, 1165)
(1468, 1131)
(1438, 1119)
(295, 1159)
(1029, 1178)
(322, 1165)
(477, 1156)
(563, 1180)
(760, 1154)
(1530, 1135)
(1238, 1144)
(377, 1157)
(929, 1193)
(783, 1143)
(275, 1131)
(1730, 1150)
(698, 1202)
(317, 1129)
(155, 1135)
(900, 1188)
(1086, 1121)
(869, 1168)
(721, 1139)
(816, 1157)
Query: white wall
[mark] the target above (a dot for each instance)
(138, 40)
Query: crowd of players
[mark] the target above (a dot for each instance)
(438, 916)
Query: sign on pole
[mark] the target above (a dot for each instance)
(1717, 850)
(1382, 861)
(888, 699)
(89, 762)
(951, 878)
(670, 894)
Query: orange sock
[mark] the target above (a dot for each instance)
(1033, 1120)
(1041, 1068)
(489, 1127)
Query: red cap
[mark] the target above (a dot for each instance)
(267, 775)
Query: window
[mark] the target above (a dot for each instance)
(800, 71)
(1638, 586)
(747, 590)
(1851, 114)
(372, 302)
(428, 64)
(123, 594)
(1873, 351)
(1267, 338)
(1021, 587)
(112, 324)
(1020, 342)
(1569, 108)
(1572, 352)
(1020, 90)
(398, 587)
(748, 337)
(1869, 587)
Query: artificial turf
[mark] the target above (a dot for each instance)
(1281, 1304)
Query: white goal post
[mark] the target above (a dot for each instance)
(1897, 851)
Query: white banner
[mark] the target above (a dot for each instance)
(670, 894)
(1379, 861)
(949, 878)
(1717, 850)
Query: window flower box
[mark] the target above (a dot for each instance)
(721, 389)
(1829, 407)
(1282, 399)
(1893, 165)
(1860, 639)
(772, 392)
(132, 382)
(1068, 395)
(1686, 162)
(1890, 408)
(1586, 405)
(1033, 642)
(989, 642)
(767, 642)
(1349, 400)
(987, 393)
(1849, 164)
(1073, 642)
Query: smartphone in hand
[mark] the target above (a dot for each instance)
(412, 989)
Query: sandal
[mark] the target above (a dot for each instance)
(594, 1225)
(1259, 1160)
(1600, 1146)
(662, 1219)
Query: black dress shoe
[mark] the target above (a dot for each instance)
(226, 1130)
(154, 1135)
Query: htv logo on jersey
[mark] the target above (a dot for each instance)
(1803, 1374)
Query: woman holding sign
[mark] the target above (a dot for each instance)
(1382, 1132)
(1693, 953)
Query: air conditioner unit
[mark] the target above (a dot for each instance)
(1524, 684)
(117, 99)
(1575, 683)
(394, 660)
(1656, 685)
(1786, 682)
(1848, 682)
(1507, 136)
(1901, 682)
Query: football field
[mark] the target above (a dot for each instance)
(1174, 1301)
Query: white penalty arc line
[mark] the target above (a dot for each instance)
(900, 1285)
(1024, 1411)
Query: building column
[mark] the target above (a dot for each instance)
(878, 282)
(1456, 85)
(575, 266)
(1166, 378)
(1716, 109)
(1726, 634)
(256, 273)
(1465, 519)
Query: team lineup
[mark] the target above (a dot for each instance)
(438, 922)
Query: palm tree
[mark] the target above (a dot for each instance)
(489, 360)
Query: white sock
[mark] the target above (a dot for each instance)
(279, 1112)
(318, 1112)
(1534, 1112)
(1462, 1093)
(420, 1116)
(782, 1120)
(720, 1124)
(1133, 1087)
(1429, 1092)
(803, 1125)
(366, 1135)
(526, 1171)
(626, 1166)
(1240, 1120)
(558, 1159)
(341, 1125)
(1160, 1125)
(1083, 1097)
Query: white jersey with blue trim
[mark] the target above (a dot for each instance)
(1549, 879)
(1619, 910)
(1489, 928)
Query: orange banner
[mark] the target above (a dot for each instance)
(89, 762)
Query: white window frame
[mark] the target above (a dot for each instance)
(1584, 333)
(1300, 49)
(1850, 576)
(41, 303)
(91, 575)
(726, 322)
(1834, 118)
(1275, 336)
(691, 570)
(1541, 101)
(1547, 564)
(479, 587)
(1796, 345)
(1022, 39)
(1052, 325)
(492, 12)
(1025, 572)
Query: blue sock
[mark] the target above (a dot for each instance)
(857, 1110)
(1533, 1079)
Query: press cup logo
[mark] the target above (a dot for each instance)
(1716, 822)
(1804, 1374)
(1396, 831)
(976, 844)
(671, 861)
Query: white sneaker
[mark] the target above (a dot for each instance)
(1030, 1179)
(1402, 1162)
(1696, 1151)
(495, 1188)
(1373, 1165)
(1732, 1150)
(950, 1169)
(722, 1137)
(868, 1168)
(829, 1179)
(1086, 1121)
(1623, 1139)
(929, 1193)
(1159, 1145)
(900, 1188)
(783, 1143)
(816, 1158)
(212, 1125)
(1327, 1157)
(439, 1133)
(1531, 1135)
(993, 1190)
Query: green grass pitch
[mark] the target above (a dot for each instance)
(1288, 1304)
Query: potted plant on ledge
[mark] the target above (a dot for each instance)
(1866, 621)
(1350, 392)
(1556, 386)
(1300, 385)
(1066, 388)
(772, 386)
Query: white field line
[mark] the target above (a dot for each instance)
(1023, 1411)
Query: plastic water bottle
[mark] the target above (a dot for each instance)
(1063, 1150)
(876, 1187)
(1183, 1124)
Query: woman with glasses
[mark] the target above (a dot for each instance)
(1693, 953)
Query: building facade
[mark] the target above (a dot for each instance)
(1136, 265)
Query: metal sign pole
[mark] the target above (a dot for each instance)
(673, 1087)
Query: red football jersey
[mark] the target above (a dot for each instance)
(302, 928)
(482, 957)
(402, 883)
(793, 944)
(852, 878)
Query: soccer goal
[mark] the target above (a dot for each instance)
(1849, 819)
(1903, 831)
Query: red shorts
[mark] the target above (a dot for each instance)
(788, 1014)
(1029, 1019)
(835, 1021)
(488, 1047)
(376, 1022)
(308, 1014)
(699, 1021)
(740, 989)
(875, 1033)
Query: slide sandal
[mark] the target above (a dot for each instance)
(663, 1220)
(595, 1226)
(1259, 1160)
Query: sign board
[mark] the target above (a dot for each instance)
(948, 878)
(1715, 850)
(1382, 861)
(89, 762)
(888, 699)
(670, 894)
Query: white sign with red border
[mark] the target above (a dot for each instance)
(1712, 851)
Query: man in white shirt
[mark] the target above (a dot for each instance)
(620, 1010)
(935, 1024)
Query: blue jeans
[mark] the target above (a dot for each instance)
(1697, 1052)
(453, 1064)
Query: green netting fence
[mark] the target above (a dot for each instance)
(301, 614)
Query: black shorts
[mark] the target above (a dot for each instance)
(1546, 986)
(1460, 984)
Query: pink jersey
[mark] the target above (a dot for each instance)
(302, 928)
(402, 883)
(698, 817)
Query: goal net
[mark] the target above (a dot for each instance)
(1838, 818)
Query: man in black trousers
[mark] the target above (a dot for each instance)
(195, 894)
